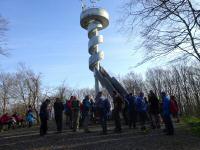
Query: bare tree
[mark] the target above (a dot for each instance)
(27, 89)
(167, 27)
(3, 28)
(180, 80)
(63, 91)
(133, 83)
(81, 93)
(5, 86)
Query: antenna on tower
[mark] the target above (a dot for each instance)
(83, 5)
(93, 2)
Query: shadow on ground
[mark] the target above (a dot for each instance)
(29, 139)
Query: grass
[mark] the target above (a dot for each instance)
(194, 124)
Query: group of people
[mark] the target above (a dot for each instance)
(152, 109)
(17, 120)
(75, 112)
(9, 120)
(133, 109)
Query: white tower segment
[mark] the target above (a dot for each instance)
(94, 20)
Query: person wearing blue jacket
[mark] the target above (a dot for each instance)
(132, 110)
(87, 105)
(141, 108)
(29, 116)
(103, 107)
(169, 128)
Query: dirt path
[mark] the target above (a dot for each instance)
(29, 139)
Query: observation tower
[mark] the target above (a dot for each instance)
(93, 19)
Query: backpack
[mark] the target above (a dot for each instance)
(86, 105)
(119, 103)
(104, 105)
(69, 104)
(66, 108)
(76, 105)
(131, 101)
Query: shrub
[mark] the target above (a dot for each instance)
(194, 124)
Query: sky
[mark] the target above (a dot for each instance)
(46, 36)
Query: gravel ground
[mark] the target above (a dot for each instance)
(129, 139)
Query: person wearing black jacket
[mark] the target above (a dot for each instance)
(58, 111)
(44, 116)
(154, 110)
(132, 110)
(118, 107)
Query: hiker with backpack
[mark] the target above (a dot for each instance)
(75, 113)
(132, 110)
(58, 113)
(87, 106)
(166, 114)
(68, 112)
(174, 108)
(118, 107)
(103, 108)
(141, 108)
(92, 112)
(154, 110)
(81, 119)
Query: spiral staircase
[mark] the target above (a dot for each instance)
(94, 20)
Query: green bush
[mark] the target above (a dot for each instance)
(194, 124)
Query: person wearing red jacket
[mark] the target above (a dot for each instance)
(68, 112)
(19, 119)
(6, 120)
(174, 108)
